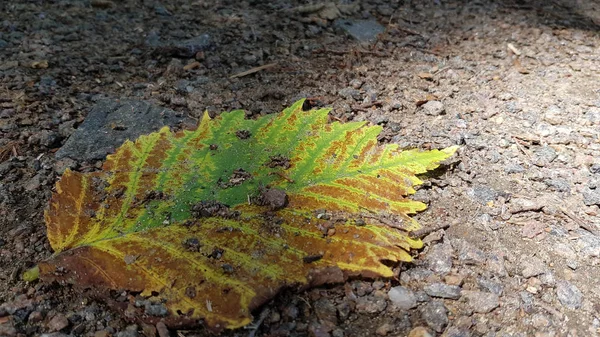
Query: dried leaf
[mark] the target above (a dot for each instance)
(187, 220)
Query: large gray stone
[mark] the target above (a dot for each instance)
(111, 122)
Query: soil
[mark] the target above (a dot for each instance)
(514, 83)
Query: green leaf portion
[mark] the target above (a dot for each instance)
(169, 216)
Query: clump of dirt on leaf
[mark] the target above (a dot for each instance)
(212, 208)
(243, 134)
(274, 198)
(279, 161)
(237, 178)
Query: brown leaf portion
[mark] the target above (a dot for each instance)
(234, 266)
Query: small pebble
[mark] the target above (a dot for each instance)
(439, 259)
(435, 315)
(434, 108)
(419, 332)
(481, 302)
(58, 322)
(442, 290)
(532, 266)
(384, 329)
(403, 298)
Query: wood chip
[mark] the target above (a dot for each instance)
(426, 76)
(253, 70)
(191, 66)
(583, 224)
(519, 67)
(514, 49)
(39, 64)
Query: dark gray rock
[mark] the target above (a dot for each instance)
(481, 302)
(495, 264)
(513, 168)
(422, 296)
(456, 332)
(439, 259)
(337, 333)
(158, 309)
(558, 184)
(344, 309)
(467, 253)
(442, 290)
(161, 10)
(416, 274)
(527, 300)
(544, 156)
(435, 315)
(483, 194)
(370, 304)
(533, 266)
(547, 279)
(350, 92)
(403, 298)
(184, 49)
(490, 285)
(110, 122)
(591, 196)
(588, 245)
(364, 31)
(326, 310)
(130, 331)
(568, 294)
(49, 139)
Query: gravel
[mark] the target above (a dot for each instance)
(430, 75)
(532, 266)
(58, 322)
(442, 290)
(481, 302)
(435, 315)
(403, 298)
(489, 285)
(439, 259)
(434, 108)
(591, 196)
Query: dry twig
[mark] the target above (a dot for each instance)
(423, 232)
(253, 70)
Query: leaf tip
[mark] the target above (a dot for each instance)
(450, 150)
(31, 274)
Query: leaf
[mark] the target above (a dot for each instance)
(210, 224)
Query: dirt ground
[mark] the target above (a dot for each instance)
(515, 83)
